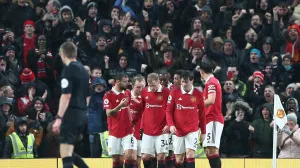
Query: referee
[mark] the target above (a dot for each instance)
(72, 113)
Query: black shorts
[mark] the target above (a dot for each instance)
(71, 128)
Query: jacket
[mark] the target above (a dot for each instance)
(291, 148)
(96, 115)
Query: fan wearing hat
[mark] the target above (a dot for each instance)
(267, 50)
(91, 24)
(293, 46)
(6, 116)
(27, 41)
(10, 52)
(255, 87)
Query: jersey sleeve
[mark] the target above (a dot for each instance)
(211, 88)
(201, 113)
(106, 102)
(66, 80)
(170, 109)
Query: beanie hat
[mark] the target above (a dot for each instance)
(28, 22)
(92, 4)
(293, 117)
(207, 9)
(258, 74)
(27, 76)
(291, 85)
(254, 50)
(196, 45)
(294, 26)
(218, 40)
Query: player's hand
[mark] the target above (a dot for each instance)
(173, 130)
(166, 129)
(123, 102)
(56, 126)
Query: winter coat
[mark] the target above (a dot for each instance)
(291, 147)
(263, 135)
(96, 114)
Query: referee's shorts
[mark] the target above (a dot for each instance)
(72, 126)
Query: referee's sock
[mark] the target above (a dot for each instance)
(190, 163)
(147, 163)
(78, 161)
(215, 161)
(161, 164)
(130, 164)
(154, 162)
(67, 162)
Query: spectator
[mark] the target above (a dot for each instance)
(7, 75)
(262, 133)
(20, 144)
(96, 116)
(289, 138)
(293, 107)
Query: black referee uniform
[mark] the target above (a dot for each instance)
(74, 81)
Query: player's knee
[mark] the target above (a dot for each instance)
(179, 158)
(190, 153)
(116, 158)
(146, 157)
(210, 151)
(161, 156)
(130, 155)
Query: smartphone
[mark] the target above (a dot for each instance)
(164, 31)
(229, 75)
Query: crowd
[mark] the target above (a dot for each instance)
(254, 45)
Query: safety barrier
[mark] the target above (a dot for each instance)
(107, 163)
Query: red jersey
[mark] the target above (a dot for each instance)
(153, 105)
(136, 119)
(186, 111)
(119, 125)
(214, 111)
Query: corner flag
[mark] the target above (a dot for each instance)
(280, 116)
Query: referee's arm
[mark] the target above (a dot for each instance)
(63, 104)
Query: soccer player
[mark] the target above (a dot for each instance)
(214, 118)
(138, 83)
(185, 115)
(155, 137)
(72, 113)
(120, 140)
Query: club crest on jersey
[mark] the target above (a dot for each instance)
(160, 97)
(106, 101)
(193, 99)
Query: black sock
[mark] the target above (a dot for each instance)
(215, 161)
(169, 162)
(78, 161)
(147, 163)
(130, 163)
(178, 165)
(161, 164)
(154, 163)
(185, 162)
(190, 163)
(67, 162)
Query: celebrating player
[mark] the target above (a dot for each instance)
(116, 103)
(185, 115)
(138, 83)
(155, 137)
(214, 118)
(72, 113)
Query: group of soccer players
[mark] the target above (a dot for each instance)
(171, 120)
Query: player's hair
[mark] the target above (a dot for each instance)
(152, 77)
(120, 76)
(137, 78)
(69, 49)
(186, 74)
(207, 66)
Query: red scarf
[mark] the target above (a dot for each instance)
(168, 62)
(28, 44)
(292, 48)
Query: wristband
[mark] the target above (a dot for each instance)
(58, 117)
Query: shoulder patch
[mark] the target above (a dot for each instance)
(64, 83)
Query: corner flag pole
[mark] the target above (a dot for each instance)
(274, 141)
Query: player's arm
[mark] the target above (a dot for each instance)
(114, 111)
(63, 104)
(88, 100)
(170, 109)
(201, 113)
(211, 95)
